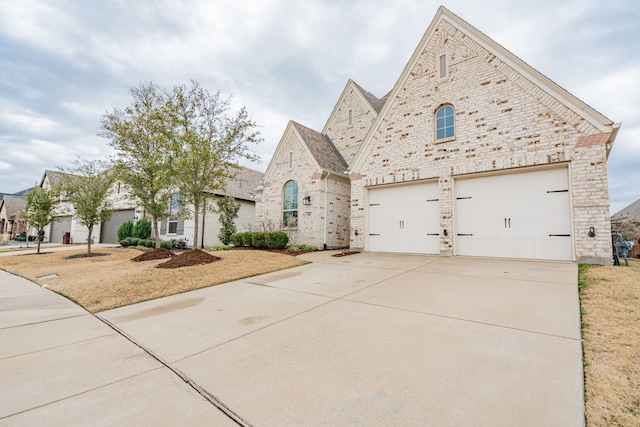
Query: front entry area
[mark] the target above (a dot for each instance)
(404, 218)
(517, 215)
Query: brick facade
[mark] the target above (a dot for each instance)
(508, 117)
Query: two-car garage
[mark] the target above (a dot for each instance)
(524, 214)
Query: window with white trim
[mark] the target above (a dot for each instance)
(290, 205)
(445, 121)
(172, 224)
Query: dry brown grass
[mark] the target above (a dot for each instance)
(106, 282)
(611, 333)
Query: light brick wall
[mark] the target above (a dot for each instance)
(348, 138)
(311, 218)
(503, 121)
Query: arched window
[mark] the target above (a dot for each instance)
(445, 122)
(290, 205)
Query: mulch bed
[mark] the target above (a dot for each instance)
(345, 254)
(188, 259)
(86, 255)
(154, 254)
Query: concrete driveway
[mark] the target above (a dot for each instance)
(375, 339)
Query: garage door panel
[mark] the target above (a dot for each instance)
(404, 219)
(519, 215)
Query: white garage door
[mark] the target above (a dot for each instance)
(404, 219)
(519, 215)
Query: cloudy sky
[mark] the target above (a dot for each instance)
(64, 63)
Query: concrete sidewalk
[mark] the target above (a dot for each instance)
(49, 247)
(61, 366)
(367, 339)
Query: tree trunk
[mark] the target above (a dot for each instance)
(38, 237)
(89, 240)
(156, 233)
(196, 222)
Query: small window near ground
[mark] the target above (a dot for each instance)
(442, 66)
(290, 205)
(445, 122)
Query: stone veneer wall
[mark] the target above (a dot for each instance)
(310, 181)
(348, 139)
(503, 121)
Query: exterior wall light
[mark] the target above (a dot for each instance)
(306, 200)
(592, 232)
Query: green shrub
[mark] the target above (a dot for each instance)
(277, 239)
(150, 243)
(133, 241)
(307, 248)
(221, 248)
(125, 230)
(247, 238)
(293, 249)
(125, 242)
(166, 244)
(179, 243)
(259, 239)
(236, 239)
(142, 229)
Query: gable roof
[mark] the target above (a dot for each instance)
(242, 184)
(322, 149)
(13, 205)
(54, 177)
(596, 119)
(370, 100)
(632, 212)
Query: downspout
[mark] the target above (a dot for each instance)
(204, 213)
(326, 189)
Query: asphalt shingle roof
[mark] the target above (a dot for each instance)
(13, 205)
(243, 184)
(375, 102)
(322, 149)
(632, 212)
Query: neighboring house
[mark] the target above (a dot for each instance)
(631, 212)
(11, 224)
(472, 153)
(241, 187)
(124, 210)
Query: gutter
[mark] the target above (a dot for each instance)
(614, 132)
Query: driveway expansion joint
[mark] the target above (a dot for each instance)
(201, 391)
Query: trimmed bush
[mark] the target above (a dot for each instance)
(142, 229)
(150, 243)
(247, 239)
(277, 239)
(179, 243)
(125, 242)
(134, 241)
(166, 244)
(259, 240)
(236, 239)
(125, 230)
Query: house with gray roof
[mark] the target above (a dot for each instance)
(241, 186)
(11, 224)
(472, 153)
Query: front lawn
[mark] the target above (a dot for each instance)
(105, 282)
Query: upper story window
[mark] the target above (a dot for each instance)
(290, 205)
(445, 122)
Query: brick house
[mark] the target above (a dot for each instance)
(11, 223)
(472, 153)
